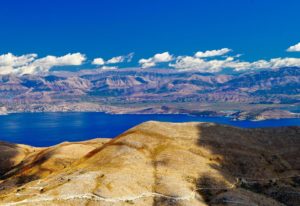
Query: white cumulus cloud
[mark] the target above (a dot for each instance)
(30, 64)
(194, 63)
(113, 60)
(216, 65)
(212, 53)
(109, 68)
(98, 61)
(294, 48)
(285, 62)
(66, 60)
(10, 63)
(157, 58)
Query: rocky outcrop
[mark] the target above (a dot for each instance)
(3, 111)
(159, 163)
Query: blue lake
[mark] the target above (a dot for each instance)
(45, 129)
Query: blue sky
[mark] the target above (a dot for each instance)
(258, 29)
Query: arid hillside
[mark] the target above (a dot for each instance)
(158, 164)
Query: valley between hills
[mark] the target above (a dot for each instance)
(158, 164)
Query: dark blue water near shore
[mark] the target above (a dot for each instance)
(45, 129)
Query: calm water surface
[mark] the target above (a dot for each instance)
(45, 129)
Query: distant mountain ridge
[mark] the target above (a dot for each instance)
(277, 86)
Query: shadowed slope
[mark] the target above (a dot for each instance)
(264, 161)
(11, 155)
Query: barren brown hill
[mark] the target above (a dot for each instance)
(159, 163)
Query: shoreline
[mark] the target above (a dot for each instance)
(230, 117)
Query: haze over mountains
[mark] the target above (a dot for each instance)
(153, 91)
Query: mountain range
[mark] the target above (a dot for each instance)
(155, 91)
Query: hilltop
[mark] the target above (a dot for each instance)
(158, 163)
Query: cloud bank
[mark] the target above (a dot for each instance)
(30, 64)
(204, 61)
